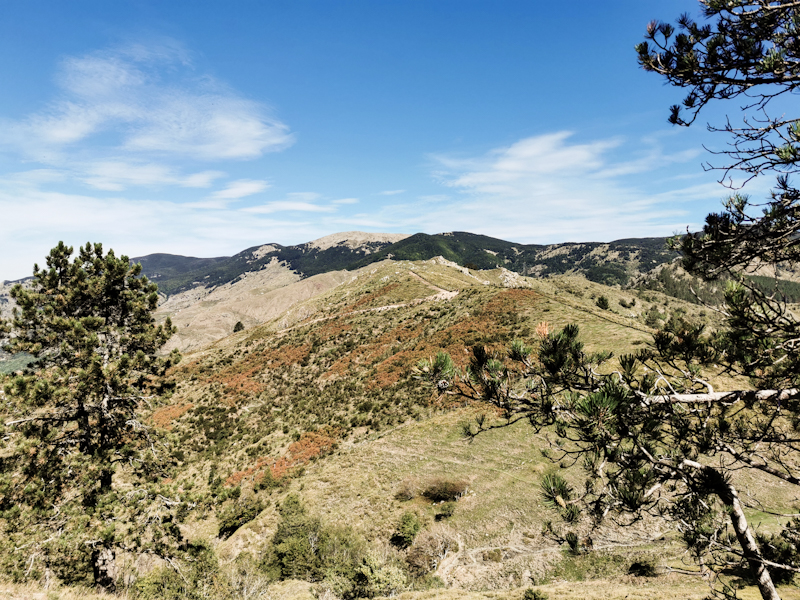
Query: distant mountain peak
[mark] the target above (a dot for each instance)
(355, 239)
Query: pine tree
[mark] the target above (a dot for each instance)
(73, 430)
(654, 436)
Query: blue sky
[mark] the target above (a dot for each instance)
(202, 128)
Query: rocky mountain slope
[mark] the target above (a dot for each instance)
(610, 263)
(321, 401)
(205, 298)
(176, 274)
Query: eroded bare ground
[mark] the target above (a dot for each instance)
(204, 316)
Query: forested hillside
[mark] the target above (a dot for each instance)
(618, 262)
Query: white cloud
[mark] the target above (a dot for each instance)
(207, 204)
(209, 127)
(42, 218)
(549, 188)
(287, 206)
(392, 192)
(117, 175)
(296, 202)
(525, 163)
(346, 201)
(303, 196)
(118, 100)
(201, 180)
(241, 189)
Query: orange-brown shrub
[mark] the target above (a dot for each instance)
(309, 447)
(164, 417)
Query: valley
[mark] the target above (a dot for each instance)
(319, 398)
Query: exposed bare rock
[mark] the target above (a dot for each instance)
(262, 251)
(355, 239)
(513, 280)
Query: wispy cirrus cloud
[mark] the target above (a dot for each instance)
(241, 189)
(121, 99)
(294, 202)
(42, 217)
(141, 116)
(117, 175)
(549, 188)
(124, 126)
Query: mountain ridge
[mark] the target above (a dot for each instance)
(611, 263)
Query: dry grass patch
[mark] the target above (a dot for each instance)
(671, 587)
(32, 591)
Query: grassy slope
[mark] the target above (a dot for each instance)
(345, 370)
(340, 365)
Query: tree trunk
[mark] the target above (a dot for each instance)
(727, 493)
(104, 567)
(105, 479)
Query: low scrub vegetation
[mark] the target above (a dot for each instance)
(444, 490)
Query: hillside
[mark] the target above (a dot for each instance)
(205, 298)
(322, 402)
(317, 399)
(334, 252)
(611, 263)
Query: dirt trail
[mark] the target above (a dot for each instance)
(445, 294)
(473, 558)
(441, 294)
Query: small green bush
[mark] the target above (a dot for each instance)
(377, 577)
(199, 575)
(163, 582)
(342, 552)
(267, 482)
(305, 548)
(238, 327)
(653, 318)
(237, 514)
(602, 302)
(429, 582)
(406, 531)
(445, 510)
(532, 594)
(292, 555)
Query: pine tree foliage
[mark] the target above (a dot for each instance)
(750, 50)
(652, 434)
(653, 437)
(78, 465)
